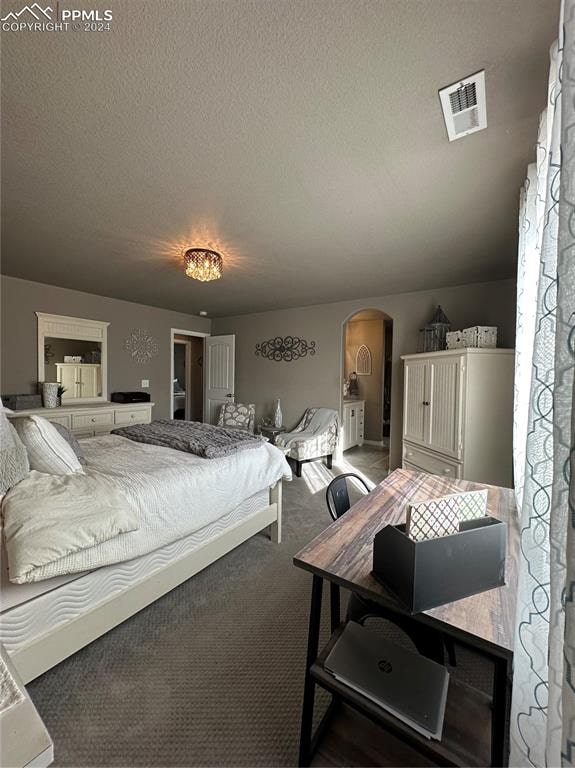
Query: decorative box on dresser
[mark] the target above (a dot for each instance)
(458, 414)
(92, 419)
(353, 418)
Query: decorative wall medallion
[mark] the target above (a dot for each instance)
(286, 348)
(141, 345)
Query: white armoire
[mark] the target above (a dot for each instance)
(80, 379)
(458, 414)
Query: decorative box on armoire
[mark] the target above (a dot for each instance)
(458, 414)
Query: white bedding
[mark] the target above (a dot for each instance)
(174, 494)
(49, 517)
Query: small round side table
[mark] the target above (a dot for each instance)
(271, 432)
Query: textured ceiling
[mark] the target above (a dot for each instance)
(304, 140)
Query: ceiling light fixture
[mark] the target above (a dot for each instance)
(203, 264)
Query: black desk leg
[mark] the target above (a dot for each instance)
(500, 713)
(335, 610)
(309, 686)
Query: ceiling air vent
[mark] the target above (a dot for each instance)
(463, 106)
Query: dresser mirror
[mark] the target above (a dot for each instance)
(73, 352)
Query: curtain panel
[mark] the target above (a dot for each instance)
(543, 705)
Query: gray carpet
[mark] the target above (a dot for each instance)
(212, 673)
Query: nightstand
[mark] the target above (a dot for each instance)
(25, 740)
(271, 432)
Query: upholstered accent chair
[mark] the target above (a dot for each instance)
(316, 442)
(238, 416)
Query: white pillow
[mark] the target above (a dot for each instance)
(14, 464)
(47, 450)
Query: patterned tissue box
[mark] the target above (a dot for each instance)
(441, 517)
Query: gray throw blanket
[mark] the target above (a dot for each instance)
(203, 440)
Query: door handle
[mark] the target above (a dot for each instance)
(426, 402)
(229, 395)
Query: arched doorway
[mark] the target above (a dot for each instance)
(366, 387)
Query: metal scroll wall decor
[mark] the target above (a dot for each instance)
(141, 345)
(286, 348)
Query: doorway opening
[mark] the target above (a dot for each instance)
(366, 388)
(187, 376)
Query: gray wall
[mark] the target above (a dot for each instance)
(22, 298)
(310, 381)
(316, 380)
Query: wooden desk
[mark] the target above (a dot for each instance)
(342, 554)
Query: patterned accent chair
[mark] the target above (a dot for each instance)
(238, 416)
(320, 446)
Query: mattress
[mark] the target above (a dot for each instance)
(20, 624)
(172, 492)
(15, 594)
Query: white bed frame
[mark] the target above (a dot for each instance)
(53, 647)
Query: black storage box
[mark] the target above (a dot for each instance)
(130, 397)
(22, 402)
(425, 574)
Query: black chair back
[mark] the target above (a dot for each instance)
(337, 496)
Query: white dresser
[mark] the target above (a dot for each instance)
(95, 418)
(458, 414)
(353, 419)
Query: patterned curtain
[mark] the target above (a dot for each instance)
(543, 706)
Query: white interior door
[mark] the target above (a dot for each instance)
(219, 367)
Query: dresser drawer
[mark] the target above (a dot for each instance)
(434, 464)
(135, 416)
(63, 420)
(92, 420)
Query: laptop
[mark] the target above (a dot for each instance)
(404, 683)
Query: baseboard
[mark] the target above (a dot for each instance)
(374, 442)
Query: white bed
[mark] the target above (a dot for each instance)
(192, 511)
